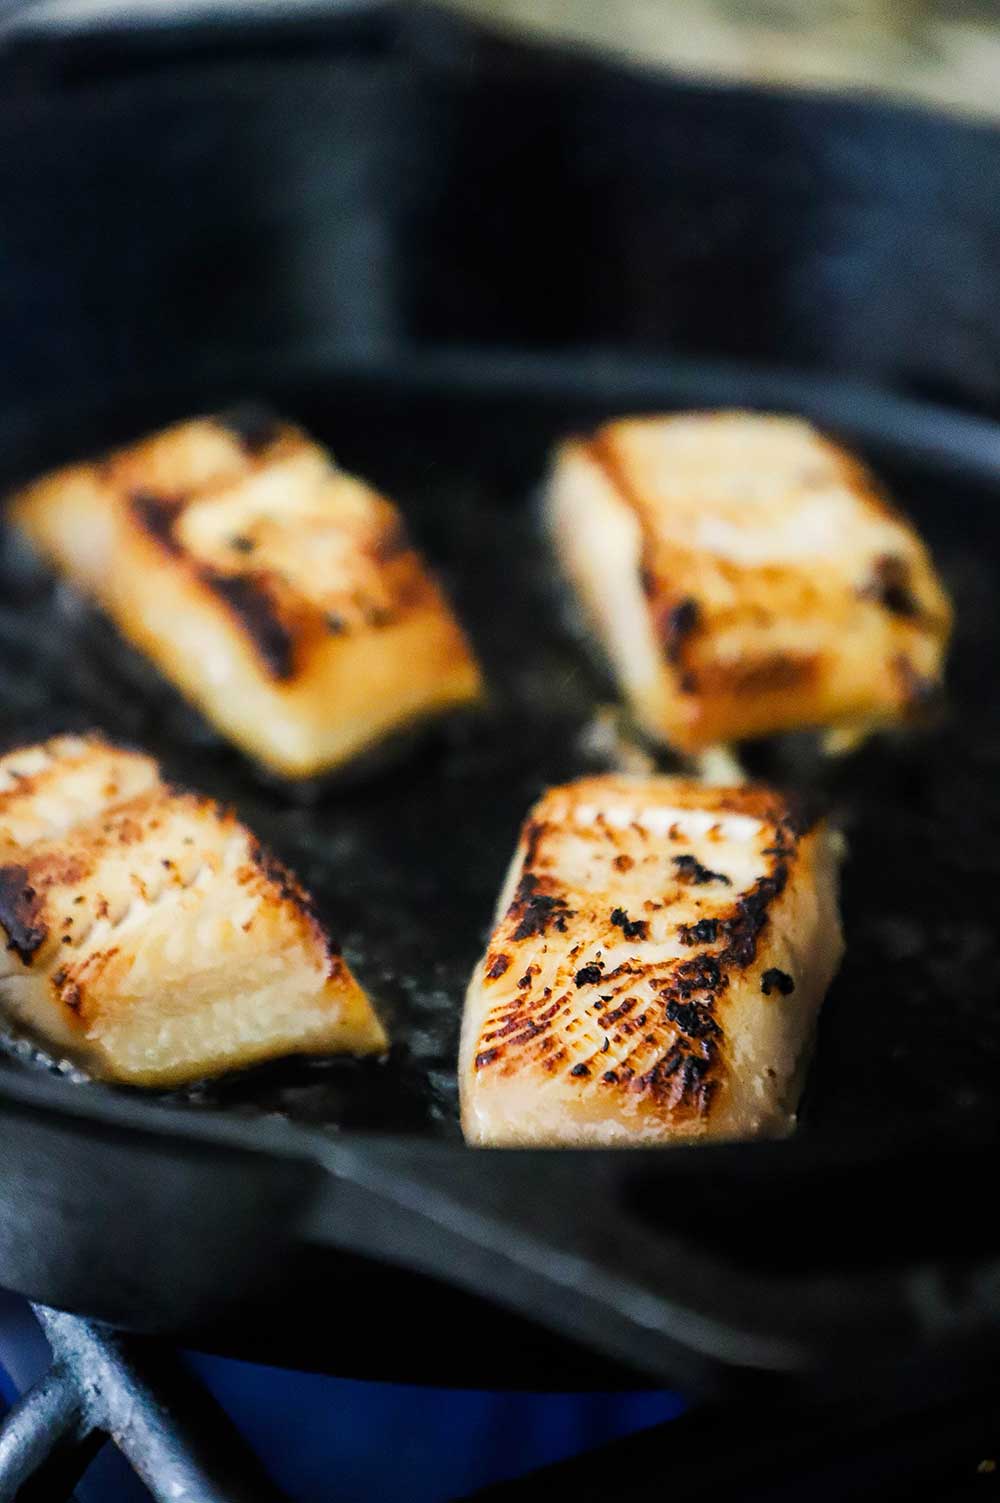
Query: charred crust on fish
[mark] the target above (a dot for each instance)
(21, 908)
(679, 623)
(248, 599)
(768, 674)
(588, 975)
(691, 872)
(704, 932)
(157, 517)
(891, 586)
(537, 908)
(631, 928)
(776, 980)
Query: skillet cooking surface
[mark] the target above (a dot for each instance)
(406, 863)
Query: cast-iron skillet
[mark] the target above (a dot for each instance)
(326, 1213)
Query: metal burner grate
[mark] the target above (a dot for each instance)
(181, 1444)
(105, 1386)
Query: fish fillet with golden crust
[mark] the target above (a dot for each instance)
(146, 933)
(278, 593)
(660, 955)
(745, 576)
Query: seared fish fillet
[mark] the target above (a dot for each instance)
(660, 955)
(277, 592)
(146, 931)
(746, 576)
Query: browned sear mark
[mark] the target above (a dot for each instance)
(20, 913)
(703, 973)
(691, 871)
(769, 674)
(538, 911)
(248, 598)
(693, 1019)
(704, 932)
(775, 980)
(157, 516)
(681, 621)
(631, 928)
(588, 975)
(890, 585)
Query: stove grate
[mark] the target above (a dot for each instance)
(104, 1386)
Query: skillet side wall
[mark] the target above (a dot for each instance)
(221, 207)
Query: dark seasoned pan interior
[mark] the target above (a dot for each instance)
(406, 861)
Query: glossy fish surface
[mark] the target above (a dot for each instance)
(148, 935)
(661, 952)
(280, 594)
(745, 575)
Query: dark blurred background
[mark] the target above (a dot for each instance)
(294, 183)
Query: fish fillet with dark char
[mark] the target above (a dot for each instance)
(277, 592)
(147, 934)
(745, 576)
(660, 955)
